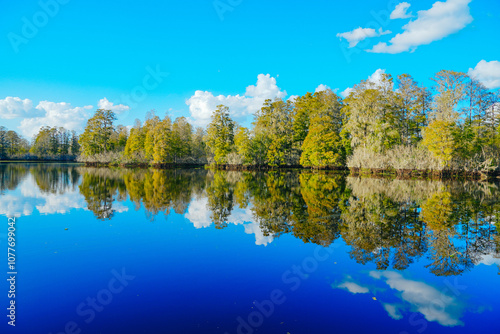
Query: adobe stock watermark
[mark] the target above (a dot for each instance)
(88, 309)
(31, 26)
(293, 279)
(153, 78)
(381, 20)
(223, 6)
(419, 322)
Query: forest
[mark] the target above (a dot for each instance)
(395, 124)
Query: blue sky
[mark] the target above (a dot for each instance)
(62, 58)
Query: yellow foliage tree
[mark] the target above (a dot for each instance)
(439, 140)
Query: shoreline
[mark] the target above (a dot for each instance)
(10, 161)
(353, 171)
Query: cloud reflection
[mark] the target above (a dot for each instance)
(415, 296)
(198, 214)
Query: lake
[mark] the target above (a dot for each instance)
(102, 250)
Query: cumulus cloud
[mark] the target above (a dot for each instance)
(357, 35)
(14, 107)
(108, 105)
(375, 78)
(345, 93)
(55, 114)
(400, 12)
(442, 20)
(321, 88)
(488, 73)
(424, 298)
(48, 113)
(203, 103)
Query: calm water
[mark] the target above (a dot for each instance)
(196, 251)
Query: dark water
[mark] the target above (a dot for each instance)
(196, 251)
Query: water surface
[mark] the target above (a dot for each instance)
(104, 250)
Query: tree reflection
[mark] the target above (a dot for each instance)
(391, 223)
(55, 179)
(100, 190)
(11, 175)
(452, 226)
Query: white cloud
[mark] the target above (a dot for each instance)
(375, 78)
(321, 88)
(353, 287)
(48, 113)
(400, 12)
(55, 114)
(14, 107)
(345, 93)
(442, 20)
(202, 104)
(488, 73)
(357, 35)
(425, 299)
(108, 105)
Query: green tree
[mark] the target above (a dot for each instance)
(371, 110)
(148, 134)
(273, 129)
(243, 144)
(413, 104)
(74, 146)
(119, 138)
(96, 137)
(181, 144)
(304, 106)
(162, 151)
(220, 134)
(136, 140)
(198, 149)
(451, 87)
(323, 145)
(13, 141)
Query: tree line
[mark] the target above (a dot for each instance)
(394, 123)
(55, 143)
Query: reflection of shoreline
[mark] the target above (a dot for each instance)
(392, 223)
